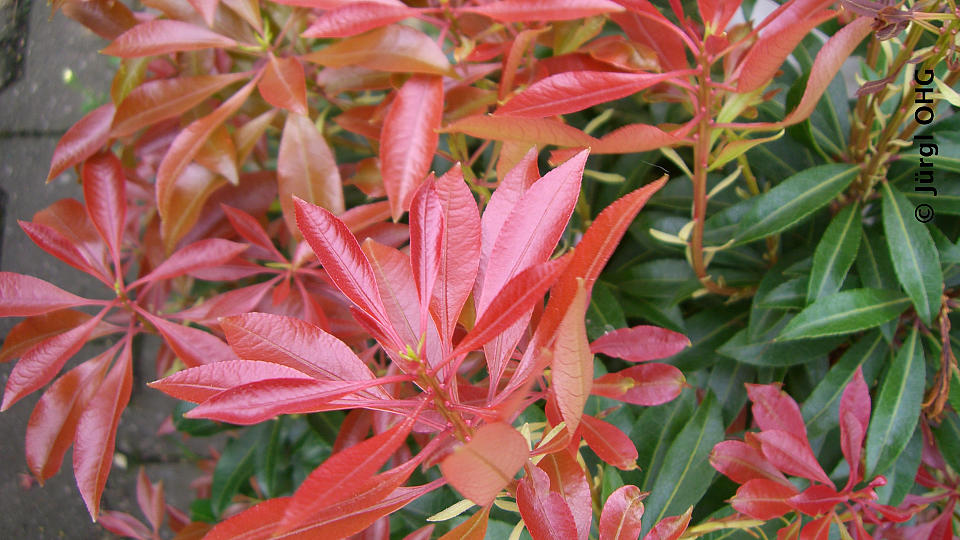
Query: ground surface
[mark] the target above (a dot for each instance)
(35, 110)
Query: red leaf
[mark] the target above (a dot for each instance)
(427, 230)
(341, 257)
(774, 409)
(257, 522)
(854, 419)
(717, 13)
(355, 18)
(33, 330)
(162, 36)
(80, 256)
(486, 464)
(670, 528)
(517, 298)
(817, 500)
(208, 253)
(610, 444)
(40, 365)
(541, 131)
(646, 25)
(647, 384)
(394, 48)
(341, 474)
(818, 529)
(634, 138)
(198, 384)
(227, 304)
(763, 499)
(791, 455)
(53, 423)
(572, 361)
(151, 500)
(252, 231)
(104, 191)
(296, 344)
(569, 480)
(409, 139)
(589, 258)
(218, 154)
(741, 463)
(544, 10)
(184, 201)
(777, 40)
(283, 85)
(160, 99)
(123, 524)
(474, 528)
(512, 60)
(306, 169)
(640, 343)
(426, 533)
(545, 513)
(620, 518)
(97, 431)
(395, 278)
(577, 90)
(459, 251)
(194, 346)
(82, 140)
(24, 296)
(258, 401)
(104, 18)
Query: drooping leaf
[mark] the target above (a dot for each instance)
(33, 330)
(104, 192)
(794, 199)
(356, 17)
(835, 253)
(487, 463)
(409, 139)
(97, 430)
(640, 343)
(163, 36)
(82, 140)
(915, 257)
(897, 408)
(391, 48)
(306, 169)
(160, 99)
(620, 517)
(845, 312)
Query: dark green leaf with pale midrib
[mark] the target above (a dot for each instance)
(845, 312)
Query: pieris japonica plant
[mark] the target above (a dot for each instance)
(332, 215)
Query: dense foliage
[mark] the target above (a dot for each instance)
(332, 214)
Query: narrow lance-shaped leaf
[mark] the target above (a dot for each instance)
(854, 420)
(487, 463)
(474, 528)
(391, 48)
(200, 383)
(162, 36)
(160, 99)
(845, 312)
(540, 131)
(640, 343)
(835, 253)
(82, 140)
(544, 10)
(572, 361)
(97, 431)
(794, 199)
(25, 296)
(763, 499)
(206, 253)
(609, 443)
(647, 384)
(306, 169)
(104, 191)
(356, 17)
(409, 139)
(426, 244)
(897, 408)
(620, 517)
(915, 256)
(33, 330)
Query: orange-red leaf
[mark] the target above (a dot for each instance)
(306, 169)
(545, 513)
(409, 139)
(670, 528)
(474, 528)
(533, 130)
(158, 100)
(646, 384)
(162, 36)
(544, 10)
(22, 296)
(568, 479)
(741, 463)
(610, 444)
(194, 346)
(97, 430)
(620, 518)
(391, 48)
(207, 253)
(854, 420)
(82, 140)
(763, 499)
(572, 361)
(640, 343)
(486, 464)
(283, 84)
(197, 384)
(791, 455)
(104, 192)
(355, 18)
(634, 138)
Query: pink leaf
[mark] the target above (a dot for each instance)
(670, 528)
(163, 36)
(82, 140)
(609, 443)
(544, 10)
(283, 85)
(104, 191)
(208, 253)
(791, 455)
(151, 500)
(306, 169)
(634, 138)
(817, 500)
(774, 409)
(763, 499)
(567, 478)
(741, 463)
(426, 243)
(197, 384)
(194, 346)
(545, 513)
(647, 384)
(25, 296)
(487, 463)
(572, 361)
(640, 343)
(355, 18)
(409, 139)
(854, 419)
(620, 518)
(541, 131)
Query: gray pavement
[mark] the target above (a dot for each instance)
(34, 112)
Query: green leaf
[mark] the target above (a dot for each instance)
(820, 409)
(266, 461)
(914, 254)
(686, 472)
(653, 433)
(947, 435)
(902, 478)
(794, 199)
(845, 312)
(706, 331)
(873, 263)
(604, 313)
(766, 352)
(196, 427)
(726, 381)
(235, 467)
(667, 279)
(788, 295)
(657, 312)
(835, 253)
(897, 408)
(949, 252)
